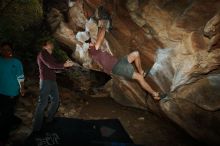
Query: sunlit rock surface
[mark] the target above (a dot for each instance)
(179, 41)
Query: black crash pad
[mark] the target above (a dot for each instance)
(77, 132)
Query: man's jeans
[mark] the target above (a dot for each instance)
(48, 92)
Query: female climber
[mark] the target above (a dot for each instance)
(112, 65)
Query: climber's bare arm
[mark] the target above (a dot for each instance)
(100, 37)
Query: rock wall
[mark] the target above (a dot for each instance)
(179, 41)
(189, 68)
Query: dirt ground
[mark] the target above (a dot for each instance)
(143, 127)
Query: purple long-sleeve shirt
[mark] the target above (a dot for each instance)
(48, 65)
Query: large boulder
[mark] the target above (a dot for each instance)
(195, 108)
(188, 69)
(179, 41)
(132, 95)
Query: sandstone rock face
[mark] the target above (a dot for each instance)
(212, 30)
(76, 16)
(195, 108)
(179, 41)
(131, 90)
(189, 68)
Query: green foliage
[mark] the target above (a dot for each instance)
(16, 19)
(20, 15)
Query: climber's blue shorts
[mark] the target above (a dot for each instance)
(123, 68)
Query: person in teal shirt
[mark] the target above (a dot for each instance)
(11, 76)
(11, 84)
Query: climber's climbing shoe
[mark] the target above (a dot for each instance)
(158, 96)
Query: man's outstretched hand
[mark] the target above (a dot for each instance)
(68, 63)
(22, 91)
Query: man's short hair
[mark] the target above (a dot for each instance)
(6, 44)
(45, 42)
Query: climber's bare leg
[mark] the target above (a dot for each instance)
(135, 57)
(145, 85)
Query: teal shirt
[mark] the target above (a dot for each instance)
(11, 72)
